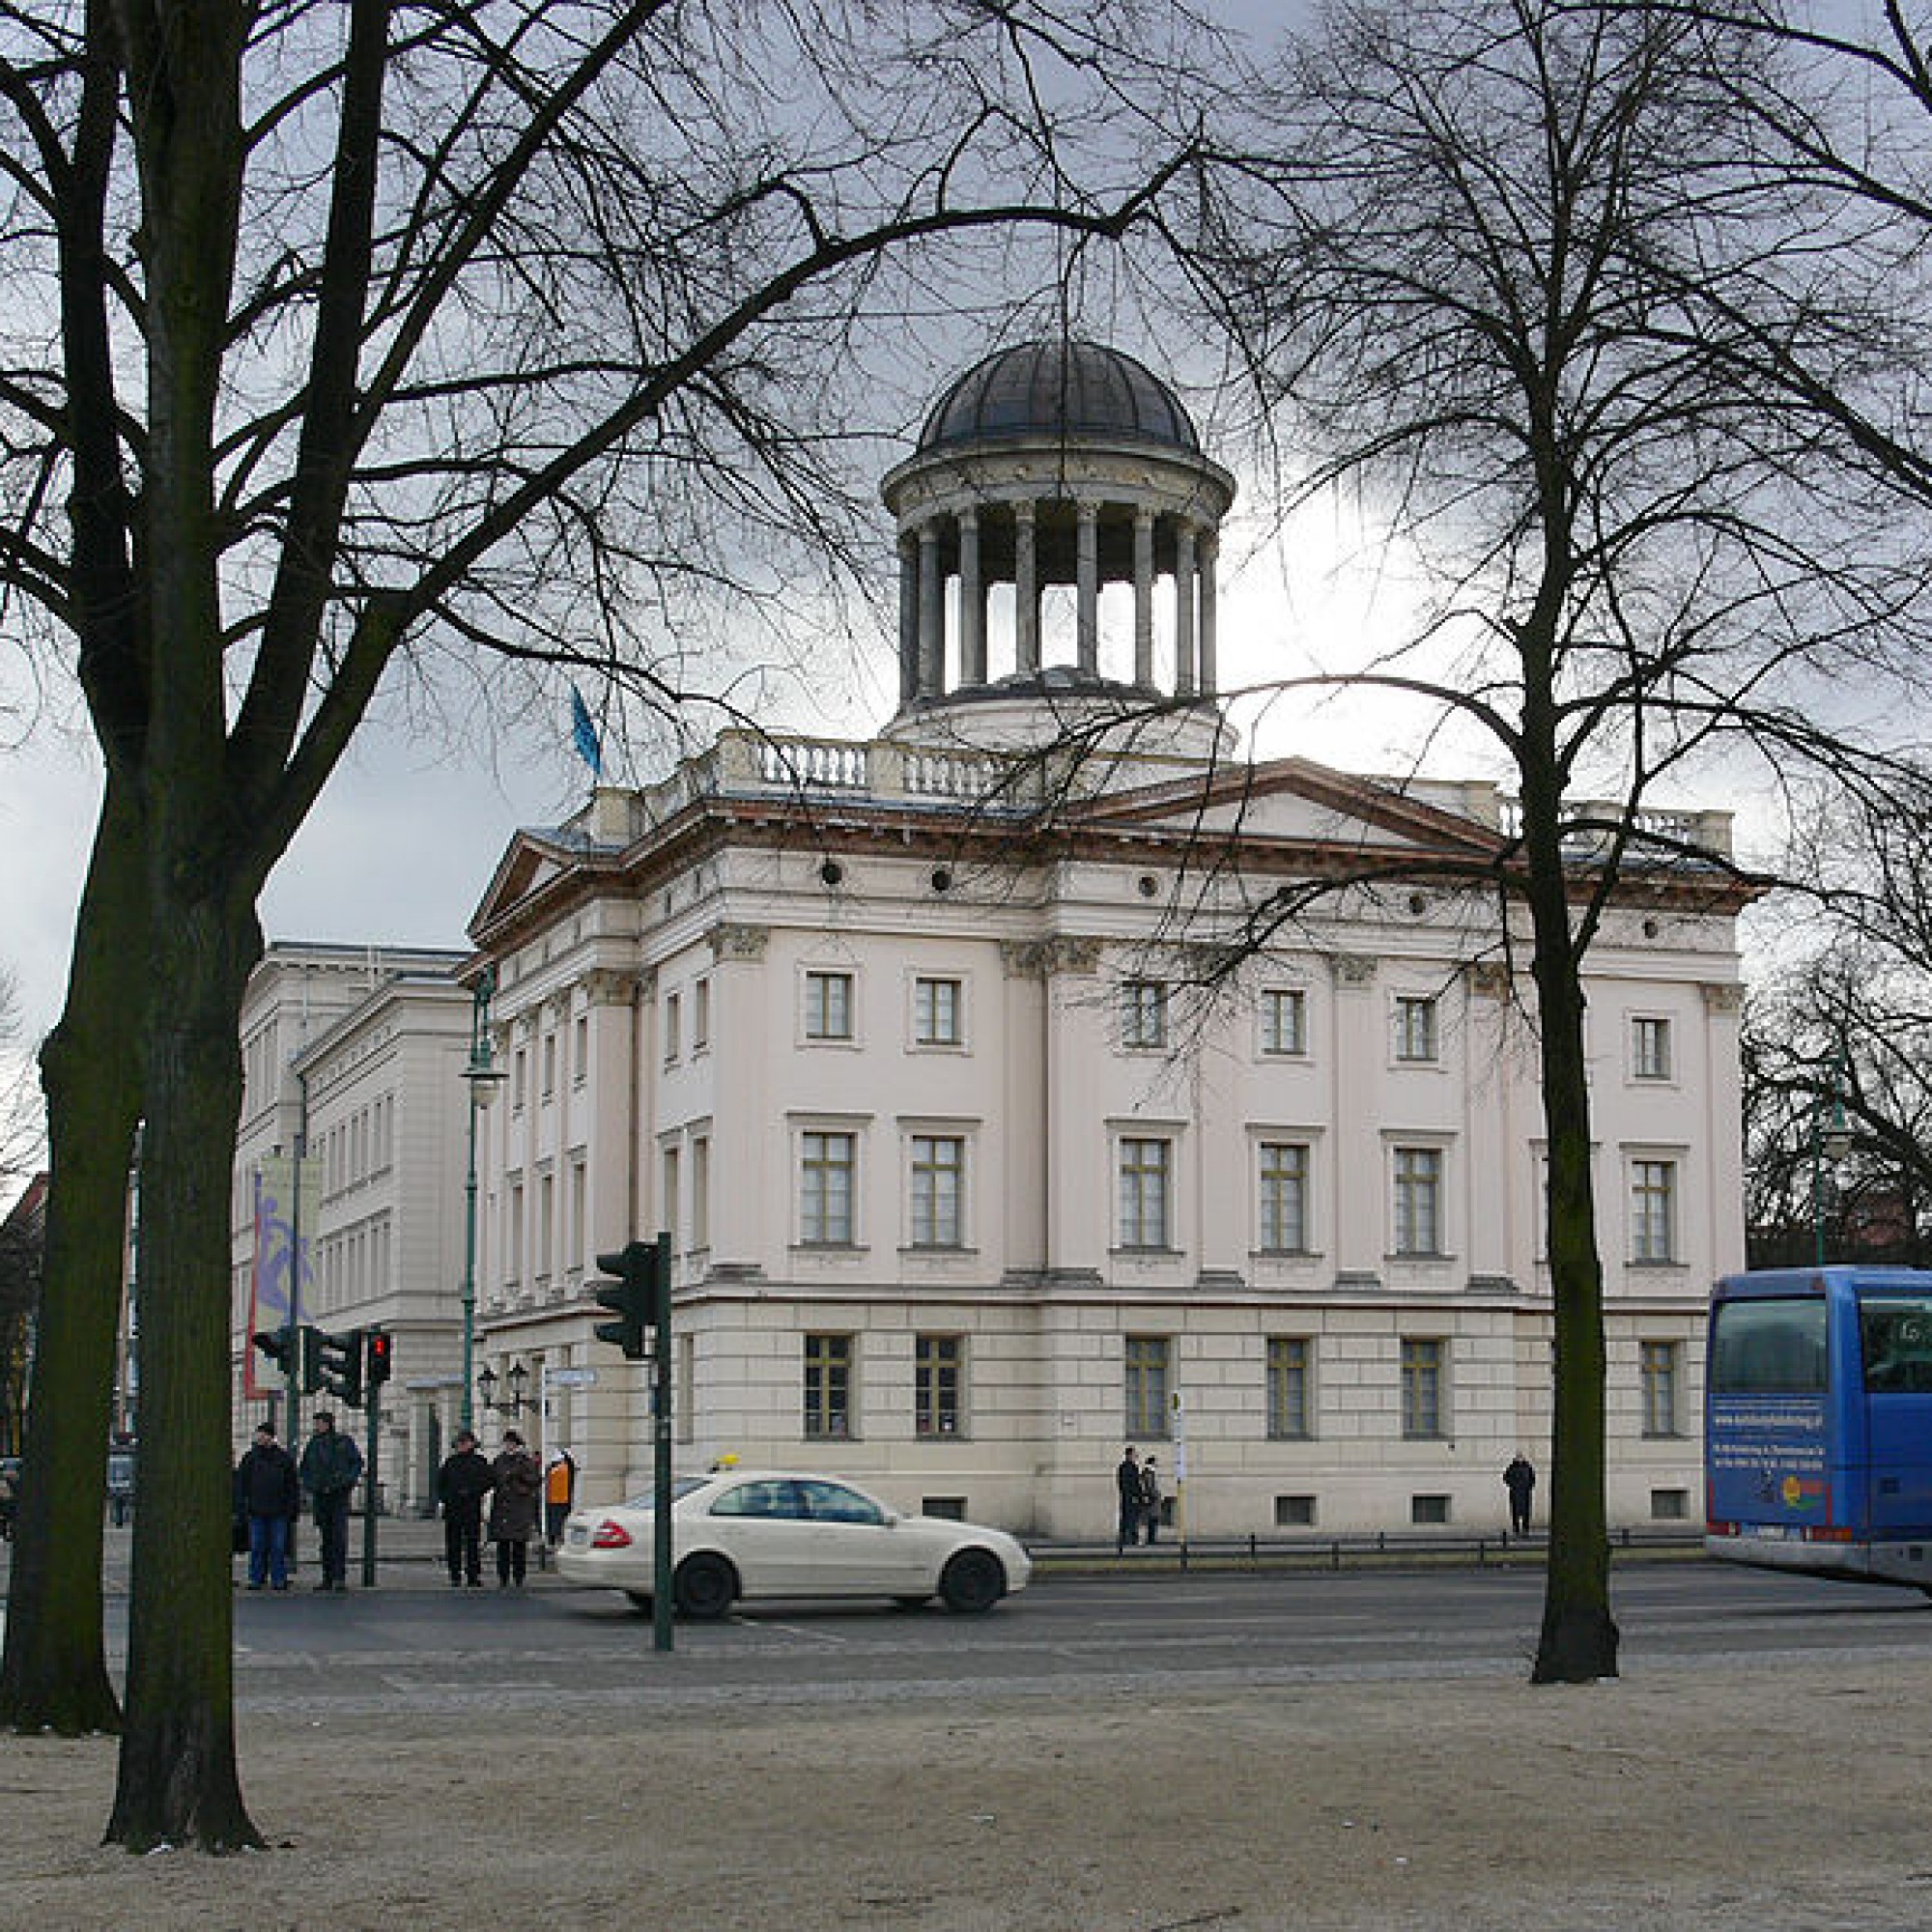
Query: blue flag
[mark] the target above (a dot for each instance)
(583, 732)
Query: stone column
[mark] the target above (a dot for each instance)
(1086, 579)
(1026, 591)
(972, 603)
(1185, 678)
(908, 617)
(931, 615)
(1143, 597)
(1211, 551)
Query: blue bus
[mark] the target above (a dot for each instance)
(1818, 1423)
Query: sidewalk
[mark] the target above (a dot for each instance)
(409, 1555)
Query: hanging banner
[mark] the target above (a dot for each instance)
(281, 1279)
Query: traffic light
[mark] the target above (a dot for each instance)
(342, 1366)
(376, 1357)
(633, 1297)
(296, 1351)
(282, 1347)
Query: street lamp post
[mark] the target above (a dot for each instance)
(516, 1380)
(1829, 1145)
(483, 1078)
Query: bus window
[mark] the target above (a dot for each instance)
(1896, 1331)
(1771, 1346)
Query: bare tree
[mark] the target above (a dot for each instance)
(339, 333)
(1504, 254)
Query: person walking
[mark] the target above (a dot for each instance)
(1127, 1489)
(1520, 1480)
(267, 1496)
(513, 1507)
(331, 1466)
(1151, 1498)
(462, 1483)
(559, 1494)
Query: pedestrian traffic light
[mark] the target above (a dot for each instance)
(634, 1297)
(342, 1366)
(376, 1357)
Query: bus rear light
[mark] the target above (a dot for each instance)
(1826, 1532)
(1713, 1528)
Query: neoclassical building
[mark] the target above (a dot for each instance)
(979, 1152)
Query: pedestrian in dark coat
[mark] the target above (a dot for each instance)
(331, 1466)
(1520, 1480)
(1127, 1486)
(462, 1483)
(513, 1507)
(1150, 1500)
(267, 1498)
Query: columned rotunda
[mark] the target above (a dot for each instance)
(1059, 530)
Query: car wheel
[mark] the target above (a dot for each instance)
(912, 1602)
(641, 1600)
(973, 1581)
(704, 1586)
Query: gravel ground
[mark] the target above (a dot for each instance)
(1782, 1794)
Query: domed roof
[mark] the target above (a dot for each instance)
(1058, 388)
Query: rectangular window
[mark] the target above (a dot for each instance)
(1146, 1359)
(1422, 1390)
(938, 1190)
(548, 1064)
(828, 1388)
(684, 1392)
(828, 1006)
(1143, 1015)
(701, 1016)
(1428, 1512)
(1144, 1176)
(827, 1164)
(1419, 1201)
(581, 1037)
(1652, 1210)
(1415, 1028)
(580, 1188)
(668, 1207)
(700, 1191)
(1660, 1380)
(1650, 1048)
(1295, 1511)
(1288, 1404)
(936, 1014)
(938, 1366)
(674, 1026)
(1284, 1197)
(1284, 1020)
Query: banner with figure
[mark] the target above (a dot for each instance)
(282, 1276)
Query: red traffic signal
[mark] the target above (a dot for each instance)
(376, 1356)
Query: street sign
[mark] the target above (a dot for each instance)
(570, 1378)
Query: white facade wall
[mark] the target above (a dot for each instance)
(699, 1126)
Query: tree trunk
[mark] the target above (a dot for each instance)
(1578, 1640)
(54, 1673)
(179, 1782)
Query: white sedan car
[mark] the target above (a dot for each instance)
(773, 1533)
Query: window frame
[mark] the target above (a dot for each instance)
(1652, 1210)
(818, 1215)
(1409, 1191)
(1289, 1361)
(818, 1024)
(924, 1026)
(1423, 1369)
(1652, 1050)
(1143, 1015)
(924, 1222)
(1416, 1030)
(828, 1361)
(1147, 1374)
(1269, 1182)
(939, 1362)
(1143, 1195)
(1274, 1002)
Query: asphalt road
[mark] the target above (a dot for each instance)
(549, 1646)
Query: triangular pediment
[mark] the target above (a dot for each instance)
(1296, 801)
(530, 863)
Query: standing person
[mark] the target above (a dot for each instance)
(268, 1496)
(462, 1483)
(1520, 1480)
(331, 1466)
(513, 1507)
(1127, 1487)
(121, 1480)
(559, 1494)
(1151, 1498)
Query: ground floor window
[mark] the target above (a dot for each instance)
(828, 1388)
